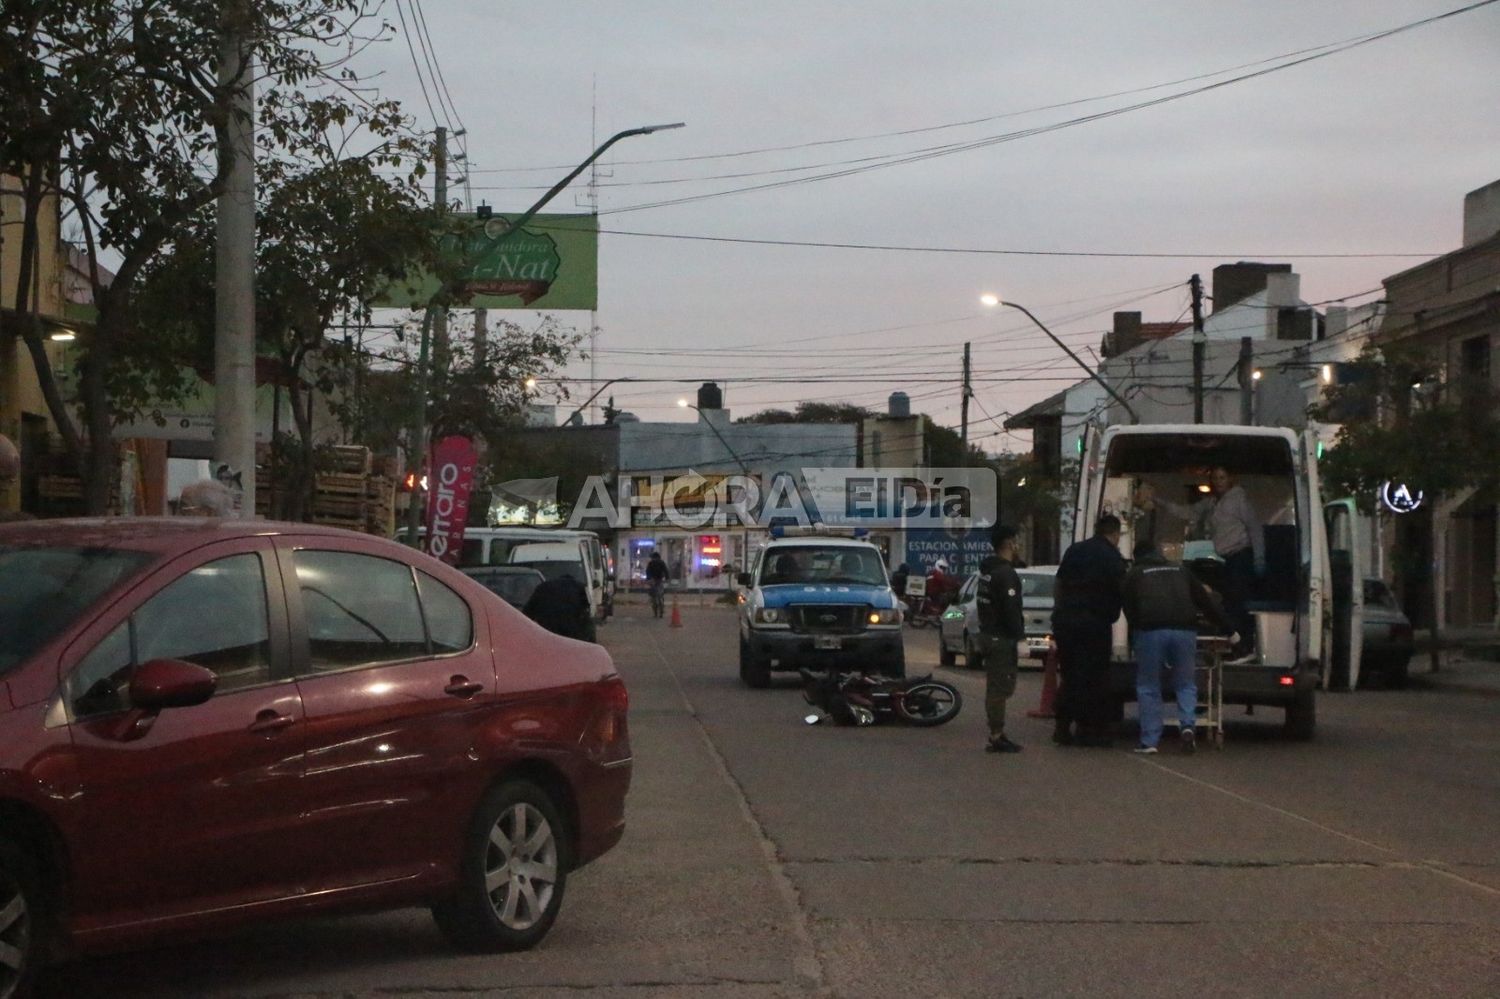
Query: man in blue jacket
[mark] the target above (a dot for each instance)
(1162, 603)
(1085, 604)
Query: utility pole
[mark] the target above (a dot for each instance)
(441, 353)
(416, 444)
(963, 406)
(234, 267)
(1246, 371)
(481, 337)
(1199, 342)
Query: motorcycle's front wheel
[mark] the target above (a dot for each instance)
(928, 703)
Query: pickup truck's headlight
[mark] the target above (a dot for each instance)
(888, 615)
(770, 615)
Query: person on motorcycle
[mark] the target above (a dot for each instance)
(942, 584)
(656, 581)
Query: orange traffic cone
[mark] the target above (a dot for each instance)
(1046, 709)
(676, 621)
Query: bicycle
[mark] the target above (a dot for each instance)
(658, 599)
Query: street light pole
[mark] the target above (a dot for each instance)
(738, 460)
(994, 300)
(418, 429)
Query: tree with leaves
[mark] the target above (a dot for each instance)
(325, 238)
(116, 108)
(1400, 420)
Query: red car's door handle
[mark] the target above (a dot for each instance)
(269, 721)
(462, 686)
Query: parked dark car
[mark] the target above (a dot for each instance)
(512, 583)
(205, 723)
(1387, 639)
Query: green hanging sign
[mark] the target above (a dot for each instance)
(553, 263)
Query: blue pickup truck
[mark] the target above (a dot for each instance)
(819, 603)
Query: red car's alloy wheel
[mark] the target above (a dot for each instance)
(520, 872)
(17, 941)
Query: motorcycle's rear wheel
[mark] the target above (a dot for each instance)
(928, 703)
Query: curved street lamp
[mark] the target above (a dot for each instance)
(419, 416)
(993, 301)
(684, 404)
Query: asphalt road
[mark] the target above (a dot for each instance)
(768, 858)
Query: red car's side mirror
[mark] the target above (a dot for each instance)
(170, 683)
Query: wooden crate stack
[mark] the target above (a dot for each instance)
(347, 495)
(351, 497)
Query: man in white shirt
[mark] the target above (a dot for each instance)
(1228, 520)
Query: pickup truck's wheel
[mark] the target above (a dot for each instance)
(20, 925)
(1301, 717)
(514, 869)
(753, 672)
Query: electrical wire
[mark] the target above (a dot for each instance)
(950, 149)
(1317, 50)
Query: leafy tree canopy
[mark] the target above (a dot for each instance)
(1400, 420)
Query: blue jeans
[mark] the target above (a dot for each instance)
(1178, 651)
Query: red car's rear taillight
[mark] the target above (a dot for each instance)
(615, 706)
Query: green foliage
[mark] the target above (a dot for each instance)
(478, 394)
(1400, 422)
(811, 412)
(121, 106)
(1029, 492)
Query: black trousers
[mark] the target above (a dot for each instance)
(1083, 694)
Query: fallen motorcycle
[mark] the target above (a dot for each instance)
(856, 698)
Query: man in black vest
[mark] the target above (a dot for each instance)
(1085, 604)
(1001, 626)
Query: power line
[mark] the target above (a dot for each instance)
(985, 142)
(1330, 47)
(421, 81)
(440, 83)
(989, 251)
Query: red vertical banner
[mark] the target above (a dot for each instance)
(451, 478)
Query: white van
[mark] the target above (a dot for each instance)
(1293, 605)
(493, 546)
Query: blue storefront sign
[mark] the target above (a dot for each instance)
(964, 549)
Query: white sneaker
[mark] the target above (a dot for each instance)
(1248, 657)
(1145, 750)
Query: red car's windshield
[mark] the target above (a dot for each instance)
(44, 590)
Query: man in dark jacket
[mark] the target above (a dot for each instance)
(1086, 601)
(561, 606)
(1162, 602)
(1000, 628)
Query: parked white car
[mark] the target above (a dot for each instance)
(959, 630)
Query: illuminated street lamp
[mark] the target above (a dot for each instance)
(993, 301)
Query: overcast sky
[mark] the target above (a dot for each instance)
(1366, 151)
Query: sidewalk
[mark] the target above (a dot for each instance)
(1461, 671)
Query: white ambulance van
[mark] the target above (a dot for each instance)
(1292, 603)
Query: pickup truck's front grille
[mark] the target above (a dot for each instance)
(828, 619)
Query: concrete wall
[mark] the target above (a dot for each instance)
(764, 448)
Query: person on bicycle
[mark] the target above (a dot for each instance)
(656, 581)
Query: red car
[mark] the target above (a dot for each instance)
(205, 723)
